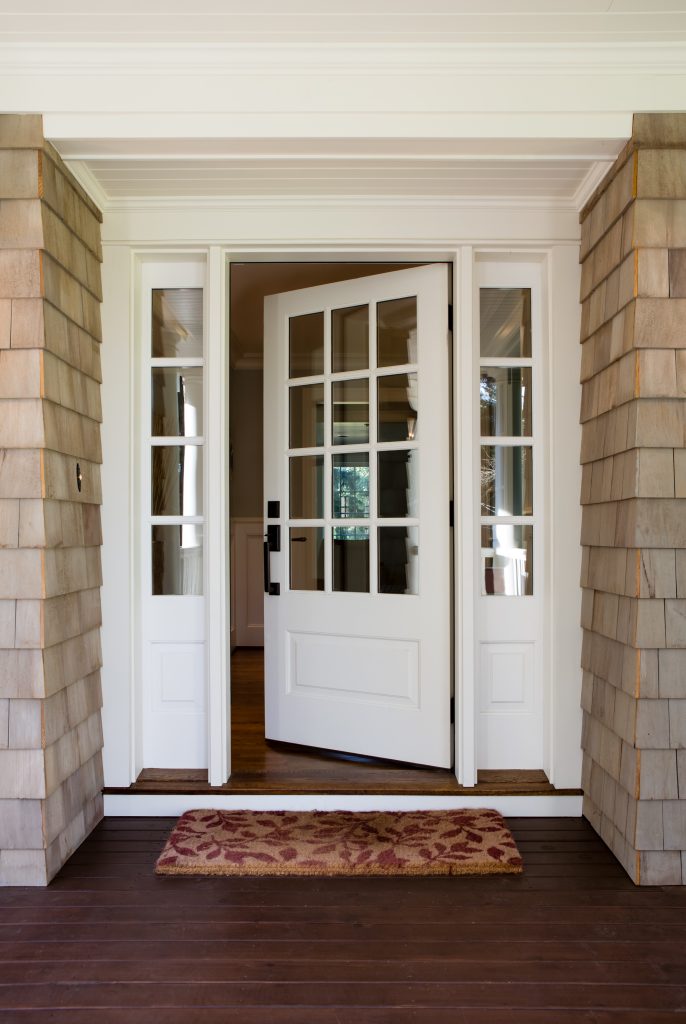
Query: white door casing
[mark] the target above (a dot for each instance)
(362, 672)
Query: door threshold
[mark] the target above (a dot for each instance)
(379, 781)
(136, 803)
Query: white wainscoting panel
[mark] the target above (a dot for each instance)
(247, 590)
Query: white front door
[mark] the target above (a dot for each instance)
(357, 490)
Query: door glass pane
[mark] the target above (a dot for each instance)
(307, 487)
(398, 560)
(177, 560)
(396, 326)
(176, 323)
(350, 417)
(306, 345)
(307, 558)
(507, 560)
(398, 483)
(397, 407)
(307, 416)
(176, 480)
(505, 322)
(506, 481)
(505, 396)
(176, 401)
(350, 548)
(350, 481)
(350, 339)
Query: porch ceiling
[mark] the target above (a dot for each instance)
(342, 168)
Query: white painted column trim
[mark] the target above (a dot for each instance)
(464, 541)
(217, 569)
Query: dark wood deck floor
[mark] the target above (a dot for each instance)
(258, 766)
(569, 942)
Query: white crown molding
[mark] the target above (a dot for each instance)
(590, 183)
(351, 59)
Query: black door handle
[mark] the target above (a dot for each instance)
(273, 589)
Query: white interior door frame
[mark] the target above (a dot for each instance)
(464, 483)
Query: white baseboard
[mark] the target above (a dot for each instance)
(172, 804)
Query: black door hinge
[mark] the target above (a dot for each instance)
(450, 317)
(452, 710)
(451, 513)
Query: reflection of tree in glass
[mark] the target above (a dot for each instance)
(487, 401)
(351, 492)
(488, 481)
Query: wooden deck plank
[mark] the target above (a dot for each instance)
(514, 993)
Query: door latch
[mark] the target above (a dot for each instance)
(272, 542)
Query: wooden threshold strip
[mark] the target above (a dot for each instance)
(380, 781)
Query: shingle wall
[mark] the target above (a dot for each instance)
(50, 732)
(633, 335)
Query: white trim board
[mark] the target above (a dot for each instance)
(170, 804)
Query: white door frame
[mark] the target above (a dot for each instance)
(218, 589)
(465, 484)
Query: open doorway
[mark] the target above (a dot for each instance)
(278, 765)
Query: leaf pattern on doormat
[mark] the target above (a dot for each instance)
(458, 842)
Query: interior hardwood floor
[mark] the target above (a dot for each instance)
(259, 766)
(571, 941)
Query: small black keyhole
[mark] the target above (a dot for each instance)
(79, 477)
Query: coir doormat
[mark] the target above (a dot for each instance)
(462, 842)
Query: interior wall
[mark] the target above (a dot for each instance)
(245, 419)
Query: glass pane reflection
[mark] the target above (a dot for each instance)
(350, 549)
(307, 558)
(350, 482)
(505, 316)
(176, 401)
(507, 560)
(307, 416)
(397, 407)
(307, 487)
(177, 560)
(396, 326)
(506, 481)
(350, 417)
(398, 483)
(306, 345)
(350, 339)
(177, 328)
(505, 398)
(176, 480)
(398, 560)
